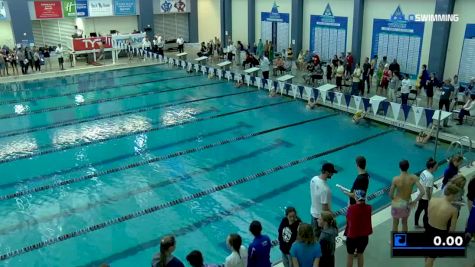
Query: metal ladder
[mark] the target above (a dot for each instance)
(462, 146)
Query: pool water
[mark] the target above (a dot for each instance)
(98, 167)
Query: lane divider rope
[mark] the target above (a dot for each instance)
(181, 200)
(92, 102)
(14, 101)
(95, 141)
(105, 116)
(95, 164)
(93, 74)
(156, 159)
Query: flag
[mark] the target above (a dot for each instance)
(417, 114)
(396, 107)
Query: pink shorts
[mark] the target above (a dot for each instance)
(400, 212)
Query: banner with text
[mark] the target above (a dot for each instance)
(100, 8)
(121, 41)
(328, 34)
(81, 8)
(48, 10)
(171, 6)
(401, 39)
(85, 44)
(125, 8)
(69, 8)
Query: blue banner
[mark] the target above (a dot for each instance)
(467, 58)
(328, 34)
(125, 8)
(398, 38)
(275, 27)
(81, 8)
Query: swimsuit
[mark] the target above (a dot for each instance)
(400, 209)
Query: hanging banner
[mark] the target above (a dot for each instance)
(48, 9)
(405, 110)
(338, 97)
(375, 105)
(3, 10)
(294, 90)
(125, 8)
(308, 92)
(84, 44)
(301, 88)
(121, 40)
(357, 102)
(417, 114)
(323, 93)
(467, 65)
(429, 114)
(81, 8)
(396, 107)
(171, 6)
(401, 39)
(275, 28)
(328, 34)
(100, 8)
(69, 8)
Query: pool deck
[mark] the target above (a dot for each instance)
(378, 254)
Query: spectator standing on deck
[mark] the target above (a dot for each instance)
(259, 249)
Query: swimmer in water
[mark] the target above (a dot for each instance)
(441, 213)
(400, 194)
(359, 115)
(272, 92)
(311, 103)
(424, 137)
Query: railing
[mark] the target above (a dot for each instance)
(462, 146)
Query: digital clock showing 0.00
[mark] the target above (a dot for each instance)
(420, 244)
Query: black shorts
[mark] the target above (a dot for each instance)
(357, 244)
(61, 60)
(431, 232)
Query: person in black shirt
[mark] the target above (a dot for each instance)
(395, 68)
(362, 180)
(288, 234)
(366, 75)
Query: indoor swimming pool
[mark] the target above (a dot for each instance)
(98, 167)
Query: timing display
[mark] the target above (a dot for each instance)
(420, 244)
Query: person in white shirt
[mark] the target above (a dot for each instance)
(320, 195)
(59, 52)
(427, 181)
(467, 109)
(265, 66)
(405, 89)
(160, 45)
(355, 88)
(238, 256)
(146, 45)
(180, 41)
(231, 50)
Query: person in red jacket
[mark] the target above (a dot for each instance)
(349, 64)
(358, 228)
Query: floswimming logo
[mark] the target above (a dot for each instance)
(434, 17)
